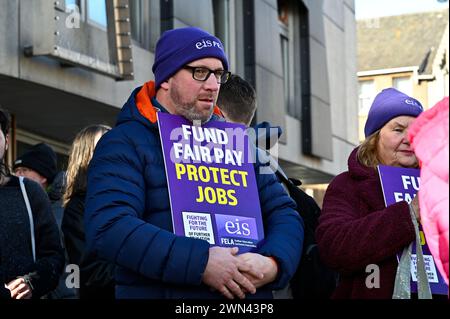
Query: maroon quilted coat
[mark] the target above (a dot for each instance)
(356, 230)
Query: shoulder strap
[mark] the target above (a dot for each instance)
(281, 176)
(284, 180)
(402, 287)
(30, 216)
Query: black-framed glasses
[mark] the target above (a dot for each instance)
(201, 73)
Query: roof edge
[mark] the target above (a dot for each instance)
(388, 71)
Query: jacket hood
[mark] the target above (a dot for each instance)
(139, 107)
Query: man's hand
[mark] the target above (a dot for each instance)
(260, 263)
(223, 273)
(19, 289)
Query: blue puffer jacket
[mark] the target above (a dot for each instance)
(128, 219)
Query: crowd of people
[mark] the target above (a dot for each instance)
(109, 212)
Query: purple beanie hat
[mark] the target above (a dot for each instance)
(178, 47)
(388, 104)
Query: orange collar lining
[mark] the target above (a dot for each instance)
(145, 106)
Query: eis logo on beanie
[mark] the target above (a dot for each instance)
(207, 44)
(413, 103)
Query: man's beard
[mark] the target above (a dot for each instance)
(187, 109)
(192, 115)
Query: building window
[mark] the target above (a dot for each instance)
(136, 20)
(145, 22)
(71, 4)
(96, 12)
(403, 84)
(74, 8)
(283, 17)
(286, 63)
(283, 11)
(93, 44)
(222, 22)
(93, 11)
(366, 96)
(294, 41)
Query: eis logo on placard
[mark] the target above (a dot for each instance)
(229, 227)
(237, 228)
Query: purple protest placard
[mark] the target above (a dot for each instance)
(211, 181)
(402, 184)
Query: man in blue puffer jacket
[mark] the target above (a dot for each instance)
(127, 216)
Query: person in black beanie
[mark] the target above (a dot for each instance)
(38, 164)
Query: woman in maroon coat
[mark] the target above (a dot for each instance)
(356, 231)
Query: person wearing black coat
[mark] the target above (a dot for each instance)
(96, 276)
(26, 272)
(16, 260)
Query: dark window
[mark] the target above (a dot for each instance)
(283, 11)
(286, 65)
(136, 20)
(222, 22)
(283, 17)
(294, 37)
(144, 20)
